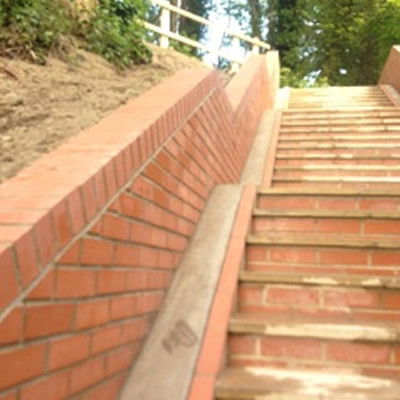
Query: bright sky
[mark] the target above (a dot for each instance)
(215, 34)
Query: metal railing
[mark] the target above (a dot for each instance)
(164, 30)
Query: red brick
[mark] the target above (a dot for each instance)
(142, 279)
(337, 204)
(97, 252)
(108, 390)
(251, 294)
(111, 178)
(89, 199)
(292, 255)
(54, 387)
(68, 351)
(100, 189)
(385, 258)
(46, 240)
(202, 387)
(121, 359)
(62, 224)
(351, 298)
(357, 352)
(72, 255)
(391, 300)
(21, 365)
(25, 251)
(91, 314)
(45, 289)
(291, 348)
(76, 211)
(136, 329)
(111, 281)
(378, 205)
(11, 327)
(124, 307)
(294, 296)
(75, 283)
(115, 228)
(242, 344)
(8, 281)
(343, 257)
(339, 225)
(87, 374)
(44, 320)
(382, 227)
(106, 338)
(284, 224)
(9, 396)
(127, 256)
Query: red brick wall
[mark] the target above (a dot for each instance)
(391, 71)
(91, 234)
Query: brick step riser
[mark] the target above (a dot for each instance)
(357, 227)
(332, 185)
(319, 303)
(378, 359)
(378, 163)
(324, 257)
(333, 203)
(315, 172)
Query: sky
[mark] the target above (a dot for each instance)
(215, 34)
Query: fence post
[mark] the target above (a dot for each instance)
(255, 49)
(165, 24)
(235, 45)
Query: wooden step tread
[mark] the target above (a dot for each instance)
(254, 383)
(262, 325)
(315, 240)
(342, 281)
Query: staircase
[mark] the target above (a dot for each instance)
(318, 314)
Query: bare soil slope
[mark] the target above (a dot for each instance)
(46, 105)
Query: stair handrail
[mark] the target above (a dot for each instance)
(164, 30)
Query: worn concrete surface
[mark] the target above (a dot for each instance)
(165, 367)
(253, 172)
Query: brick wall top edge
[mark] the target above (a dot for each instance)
(38, 189)
(390, 74)
(239, 84)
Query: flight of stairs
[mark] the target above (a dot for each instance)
(318, 314)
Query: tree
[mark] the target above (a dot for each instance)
(342, 42)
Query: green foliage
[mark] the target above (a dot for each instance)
(33, 28)
(112, 31)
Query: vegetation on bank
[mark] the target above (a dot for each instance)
(31, 29)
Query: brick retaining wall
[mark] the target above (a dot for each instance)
(91, 234)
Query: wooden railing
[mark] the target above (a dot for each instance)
(164, 30)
